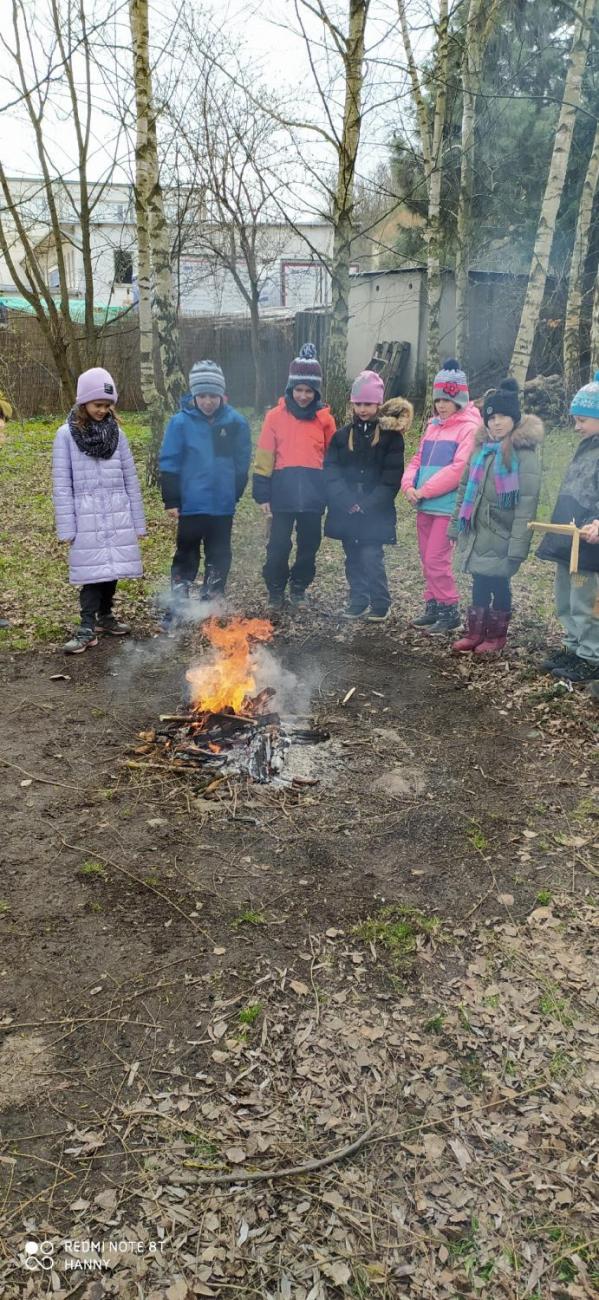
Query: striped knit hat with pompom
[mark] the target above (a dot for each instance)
(305, 369)
(451, 384)
(586, 400)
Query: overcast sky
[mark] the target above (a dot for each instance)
(263, 30)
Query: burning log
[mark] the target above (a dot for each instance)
(227, 729)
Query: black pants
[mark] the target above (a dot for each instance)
(214, 531)
(96, 598)
(496, 588)
(276, 572)
(365, 573)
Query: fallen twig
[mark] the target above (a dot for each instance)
(289, 1171)
(31, 776)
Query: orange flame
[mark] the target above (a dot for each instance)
(225, 680)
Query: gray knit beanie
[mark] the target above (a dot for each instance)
(206, 377)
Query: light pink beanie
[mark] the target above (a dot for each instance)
(368, 387)
(96, 385)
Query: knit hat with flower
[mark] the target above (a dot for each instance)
(451, 383)
(586, 400)
(305, 369)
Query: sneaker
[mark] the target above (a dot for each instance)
(448, 618)
(561, 659)
(582, 671)
(354, 611)
(430, 615)
(297, 596)
(84, 638)
(108, 625)
(378, 615)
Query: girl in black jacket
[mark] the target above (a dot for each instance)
(363, 471)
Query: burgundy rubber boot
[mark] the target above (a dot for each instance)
(496, 632)
(476, 627)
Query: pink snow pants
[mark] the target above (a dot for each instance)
(435, 557)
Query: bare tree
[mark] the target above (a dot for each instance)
(577, 265)
(553, 190)
(51, 216)
(480, 18)
(431, 144)
(157, 305)
(232, 164)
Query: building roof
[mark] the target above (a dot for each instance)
(102, 311)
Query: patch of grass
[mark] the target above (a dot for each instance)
(544, 897)
(248, 1015)
(492, 1000)
(477, 838)
(471, 1072)
(554, 1006)
(399, 931)
(4, 907)
(152, 880)
(435, 1024)
(93, 869)
(96, 906)
(249, 917)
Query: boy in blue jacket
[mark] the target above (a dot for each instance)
(204, 463)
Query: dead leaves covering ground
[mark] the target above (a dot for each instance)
(476, 1180)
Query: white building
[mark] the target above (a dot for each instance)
(293, 276)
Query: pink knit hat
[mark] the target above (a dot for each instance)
(368, 387)
(96, 385)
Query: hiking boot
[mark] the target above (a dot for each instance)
(476, 621)
(448, 618)
(430, 615)
(297, 596)
(582, 671)
(108, 625)
(561, 659)
(276, 601)
(84, 638)
(378, 615)
(354, 610)
(498, 621)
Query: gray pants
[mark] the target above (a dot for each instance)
(574, 606)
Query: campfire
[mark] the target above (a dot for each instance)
(228, 727)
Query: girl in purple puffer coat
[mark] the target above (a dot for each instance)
(98, 506)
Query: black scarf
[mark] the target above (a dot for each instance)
(97, 438)
(302, 412)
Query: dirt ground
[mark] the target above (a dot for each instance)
(195, 990)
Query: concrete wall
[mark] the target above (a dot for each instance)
(383, 308)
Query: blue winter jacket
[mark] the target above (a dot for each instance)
(204, 463)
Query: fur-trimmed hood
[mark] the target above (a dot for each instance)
(529, 433)
(396, 415)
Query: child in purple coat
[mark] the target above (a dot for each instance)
(98, 506)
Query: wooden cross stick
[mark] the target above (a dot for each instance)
(570, 529)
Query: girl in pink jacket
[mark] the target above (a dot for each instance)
(430, 483)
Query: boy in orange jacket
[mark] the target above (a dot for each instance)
(288, 481)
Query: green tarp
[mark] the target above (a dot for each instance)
(76, 308)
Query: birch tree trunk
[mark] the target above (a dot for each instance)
(479, 23)
(154, 270)
(431, 143)
(553, 192)
(595, 328)
(343, 206)
(577, 265)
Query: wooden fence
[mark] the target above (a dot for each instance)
(29, 379)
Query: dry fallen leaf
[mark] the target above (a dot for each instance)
(235, 1155)
(299, 987)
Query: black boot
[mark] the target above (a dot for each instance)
(448, 617)
(430, 615)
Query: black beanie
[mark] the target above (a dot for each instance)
(503, 401)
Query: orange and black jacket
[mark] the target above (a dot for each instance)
(288, 469)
